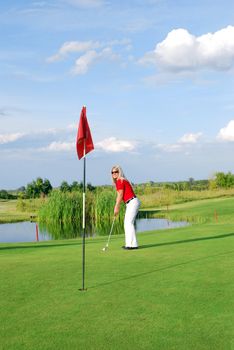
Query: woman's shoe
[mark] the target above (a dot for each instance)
(129, 248)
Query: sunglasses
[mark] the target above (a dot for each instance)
(115, 172)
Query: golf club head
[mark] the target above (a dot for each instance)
(106, 247)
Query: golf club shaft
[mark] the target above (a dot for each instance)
(110, 231)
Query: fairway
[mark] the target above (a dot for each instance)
(175, 292)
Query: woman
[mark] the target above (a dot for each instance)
(126, 193)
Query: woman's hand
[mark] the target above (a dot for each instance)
(116, 210)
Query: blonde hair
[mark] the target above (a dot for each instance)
(121, 173)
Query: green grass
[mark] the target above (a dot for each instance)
(10, 213)
(204, 211)
(19, 210)
(175, 292)
(163, 197)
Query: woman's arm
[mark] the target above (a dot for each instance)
(118, 202)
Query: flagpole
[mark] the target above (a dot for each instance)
(84, 145)
(84, 190)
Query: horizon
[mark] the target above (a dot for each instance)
(110, 185)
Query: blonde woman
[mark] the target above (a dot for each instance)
(125, 193)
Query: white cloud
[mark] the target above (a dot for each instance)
(124, 42)
(71, 127)
(190, 138)
(91, 52)
(52, 131)
(59, 146)
(169, 147)
(7, 138)
(182, 144)
(86, 3)
(83, 46)
(112, 144)
(184, 51)
(72, 46)
(84, 62)
(44, 133)
(107, 53)
(227, 133)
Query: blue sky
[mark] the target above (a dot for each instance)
(156, 76)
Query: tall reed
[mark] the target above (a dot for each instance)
(103, 212)
(66, 210)
(62, 207)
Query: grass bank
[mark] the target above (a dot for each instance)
(19, 210)
(175, 292)
(10, 213)
(169, 197)
(217, 210)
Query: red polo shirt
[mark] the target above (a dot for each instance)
(122, 184)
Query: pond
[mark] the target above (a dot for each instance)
(30, 232)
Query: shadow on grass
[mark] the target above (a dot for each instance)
(92, 241)
(144, 246)
(174, 265)
(37, 245)
(160, 269)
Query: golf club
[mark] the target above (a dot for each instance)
(107, 244)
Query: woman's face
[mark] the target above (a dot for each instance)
(115, 174)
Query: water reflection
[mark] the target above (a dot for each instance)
(74, 230)
(157, 224)
(21, 232)
(27, 231)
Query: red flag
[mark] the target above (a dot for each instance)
(84, 142)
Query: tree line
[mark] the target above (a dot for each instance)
(42, 187)
(220, 180)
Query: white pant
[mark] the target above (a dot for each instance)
(130, 215)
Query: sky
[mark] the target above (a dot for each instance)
(156, 77)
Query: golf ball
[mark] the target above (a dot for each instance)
(103, 249)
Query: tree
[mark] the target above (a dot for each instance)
(31, 190)
(220, 179)
(4, 194)
(64, 187)
(75, 186)
(229, 180)
(212, 184)
(38, 187)
(21, 189)
(90, 187)
(191, 182)
(224, 180)
(46, 187)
